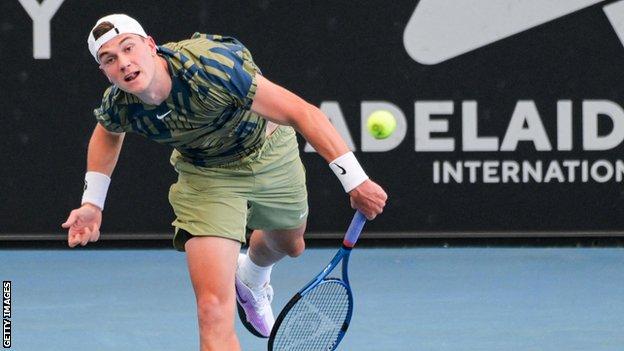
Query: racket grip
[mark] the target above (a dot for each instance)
(355, 228)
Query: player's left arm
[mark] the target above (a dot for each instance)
(281, 106)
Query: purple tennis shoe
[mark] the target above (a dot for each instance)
(254, 306)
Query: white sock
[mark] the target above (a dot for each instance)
(253, 275)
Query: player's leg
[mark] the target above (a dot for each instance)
(210, 221)
(212, 266)
(278, 215)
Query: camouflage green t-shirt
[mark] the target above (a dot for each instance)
(207, 115)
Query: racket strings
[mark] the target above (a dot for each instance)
(315, 322)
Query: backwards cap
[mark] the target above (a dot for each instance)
(121, 24)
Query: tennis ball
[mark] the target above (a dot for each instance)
(381, 124)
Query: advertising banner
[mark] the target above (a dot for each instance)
(510, 113)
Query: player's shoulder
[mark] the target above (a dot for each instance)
(203, 40)
(206, 45)
(214, 65)
(217, 40)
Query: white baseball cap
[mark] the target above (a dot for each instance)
(121, 24)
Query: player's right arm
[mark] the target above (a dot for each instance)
(83, 223)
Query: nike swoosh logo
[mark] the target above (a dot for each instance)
(303, 214)
(342, 170)
(440, 30)
(163, 115)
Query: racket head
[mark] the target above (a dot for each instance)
(314, 320)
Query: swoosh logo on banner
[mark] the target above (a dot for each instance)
(440, 30)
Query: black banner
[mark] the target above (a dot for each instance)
(510, 113)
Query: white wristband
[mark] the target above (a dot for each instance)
(95, 189)
(348, 170)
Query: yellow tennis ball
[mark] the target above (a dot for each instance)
(381, 124)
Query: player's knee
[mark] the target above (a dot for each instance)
(292, 248)
(295, 248)
(288, 242)
(212, 312)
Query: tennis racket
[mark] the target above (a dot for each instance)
(318, 316)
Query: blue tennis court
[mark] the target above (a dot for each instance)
(405, 299)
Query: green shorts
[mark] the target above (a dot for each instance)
(265, 190)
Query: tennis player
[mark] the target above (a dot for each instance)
(236, 153)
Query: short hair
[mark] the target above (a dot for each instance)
(102, 29)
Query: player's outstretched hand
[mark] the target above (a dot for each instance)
(368, 198)
(84, 225)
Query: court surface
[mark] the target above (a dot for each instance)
(405, 299)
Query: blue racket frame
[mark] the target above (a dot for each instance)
(351, 237)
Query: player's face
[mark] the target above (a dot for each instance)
(128, 62)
